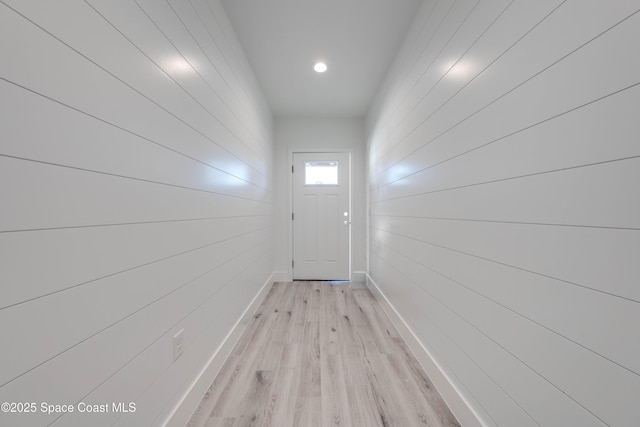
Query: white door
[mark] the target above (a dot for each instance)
(321, 216)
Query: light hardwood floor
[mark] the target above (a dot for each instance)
(321, 354)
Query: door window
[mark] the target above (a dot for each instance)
(322, 172)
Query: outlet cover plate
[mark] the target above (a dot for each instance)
(178, 344)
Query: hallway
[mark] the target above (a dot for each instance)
(321, 354)
(146, 206)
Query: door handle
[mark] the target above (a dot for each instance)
(347, 222)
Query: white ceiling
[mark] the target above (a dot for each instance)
(358, 39)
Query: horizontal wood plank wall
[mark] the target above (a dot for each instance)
(504, 165)
(136, 185)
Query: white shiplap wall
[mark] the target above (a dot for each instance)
(504, 164)
(136, 200)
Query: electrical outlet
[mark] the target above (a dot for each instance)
(178, 344)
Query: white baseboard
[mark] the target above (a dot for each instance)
(358, 277)
(183, 411)
(460, 406)
(281, 276)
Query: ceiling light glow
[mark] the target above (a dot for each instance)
(320, 67)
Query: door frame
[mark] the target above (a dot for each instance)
(290, 201)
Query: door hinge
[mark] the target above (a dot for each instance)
(291, 216)
(291, 263)
(291, 168)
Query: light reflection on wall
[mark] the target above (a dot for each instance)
(177, 65)
(232, 181)
(380, 235)
(238, 175)
(395, 174)
(460, 70)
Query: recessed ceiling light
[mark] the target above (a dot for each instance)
(320, 67)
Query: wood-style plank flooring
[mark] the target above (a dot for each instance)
(321, 354)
